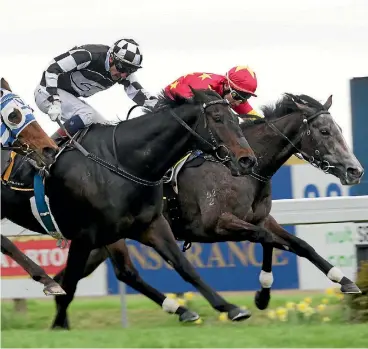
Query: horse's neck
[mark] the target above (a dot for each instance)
(272, 149)
(149, 145)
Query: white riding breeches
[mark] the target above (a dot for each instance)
(70, 106)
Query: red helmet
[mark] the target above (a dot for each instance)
(242, 78)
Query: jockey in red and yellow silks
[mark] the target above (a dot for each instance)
(237, 86)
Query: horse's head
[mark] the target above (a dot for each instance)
(322, 142)
(21, 132)
(221, 130)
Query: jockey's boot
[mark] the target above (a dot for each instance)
(73, 125)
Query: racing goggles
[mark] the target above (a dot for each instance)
(123, 67)
(239, 95)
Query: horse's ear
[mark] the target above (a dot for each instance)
(197, 96)
(328, 103)
(5, 85)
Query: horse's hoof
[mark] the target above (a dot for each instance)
(238, 314)
(262, 298)
(54, 290)
(189, 316)
(350, 288)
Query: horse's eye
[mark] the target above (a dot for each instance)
(14, 117)
(324, 132)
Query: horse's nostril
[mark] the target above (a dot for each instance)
(247, 162)
(355, 172)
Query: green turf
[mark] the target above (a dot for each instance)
(96, 323)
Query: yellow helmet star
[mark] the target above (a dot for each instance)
(244, 67)
(205, 76)
(174, 84)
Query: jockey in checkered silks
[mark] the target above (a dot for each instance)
(84, 71)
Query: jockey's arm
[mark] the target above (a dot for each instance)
(246, 111)
(72, 60)
(137, 93)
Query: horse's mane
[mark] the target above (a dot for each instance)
(165, 101)
(285, 105)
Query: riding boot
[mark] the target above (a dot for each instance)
(73, 125)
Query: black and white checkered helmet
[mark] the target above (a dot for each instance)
(127, 51)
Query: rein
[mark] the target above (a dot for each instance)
(123, 173)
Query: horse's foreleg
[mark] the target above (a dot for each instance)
(303, 249)
(161, 238)
(263, 296)
(78, 254)
(231, 228)
(127, 273)
(34, 270)
(96, 257)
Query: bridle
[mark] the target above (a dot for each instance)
(213, 144)
(315, 159)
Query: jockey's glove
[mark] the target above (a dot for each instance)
(55, 111)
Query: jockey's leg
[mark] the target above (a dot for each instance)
(77, 113)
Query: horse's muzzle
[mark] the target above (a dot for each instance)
(246, 164)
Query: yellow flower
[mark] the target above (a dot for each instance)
(290, 305)
(283, 317)
(188, 295)
(302, 306)
(181, 301)
(281, 311)
(325, 300)
(271, 314)
(308, 300)
(309, 311)
(326, 319)
(340, 296)
(321, 307)
(171, 295)
(330, 291)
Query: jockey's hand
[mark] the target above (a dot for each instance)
(55, 111)
(150, 102)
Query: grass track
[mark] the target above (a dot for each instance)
(96, 323)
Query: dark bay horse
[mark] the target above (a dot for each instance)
(96, 202)
(240, 206)
(21, 133)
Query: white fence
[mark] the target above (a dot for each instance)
(321, 210)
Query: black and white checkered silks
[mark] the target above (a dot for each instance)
(128, 52)
(66, 62)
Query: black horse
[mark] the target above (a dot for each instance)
(239, 207)
(96, 202)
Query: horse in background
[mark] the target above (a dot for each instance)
(22, 134)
